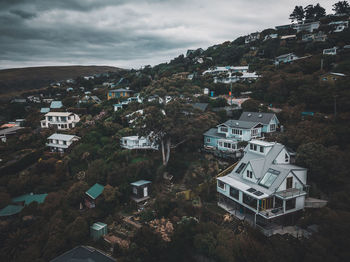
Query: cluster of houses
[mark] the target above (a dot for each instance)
(227, 136)
(231, 74)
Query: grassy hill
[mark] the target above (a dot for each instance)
(20, 79)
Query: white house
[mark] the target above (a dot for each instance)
(270, 36)
(330, 51)
(339, 26)
(252, 37)
(60, 120)
(264, 186)
(136, 142)
(309, 27)
(60, 142)
(286, 58)
(268, 120)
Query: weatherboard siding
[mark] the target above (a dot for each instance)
(213, 141)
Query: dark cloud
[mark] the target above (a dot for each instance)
(127, 33)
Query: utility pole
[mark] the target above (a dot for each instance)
(335, 105)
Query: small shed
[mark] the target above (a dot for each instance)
(98, 230)
(94, 192)
(140, 190)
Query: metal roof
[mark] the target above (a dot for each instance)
(121, 90)
(59, 114)
(95, 191)
(240, 124)
(56, 104)
(83, 254)
(257, 117)
(44, 110)
(98, 225)
(140, 183)
(213, 132)
(29, 198)
(10, 210)
(62, 137)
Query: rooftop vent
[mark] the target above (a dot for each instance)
(237, 124)
(260, 115)
(249, 114)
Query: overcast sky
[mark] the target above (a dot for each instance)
(128, 33)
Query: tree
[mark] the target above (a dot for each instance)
(314, 13)
(341, 7)
(250, 105)
(172, 126)
(298, 14)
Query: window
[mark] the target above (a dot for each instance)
(234, 193)
(227, 145)
(208, 140)
(261, 149)
(221, 185)
(237, 132)
(289, 183)
(269, 178)
(251, 146)
(224, 129)
(273, 127)
(290, 204)
(65, 142)
(249, 174)
(255, 147)
(254, 132)
(286, 158)
(220, 143)
(240, 168)
(250, 201)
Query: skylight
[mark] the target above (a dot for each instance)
(240, 168)
(269, 178)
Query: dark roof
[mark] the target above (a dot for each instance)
(257, 117)
(200, 106)
(213, 132)
(121, 90)
(240, 124)
(83, 254)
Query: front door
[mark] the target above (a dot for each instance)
(145, 191)
(289, 183)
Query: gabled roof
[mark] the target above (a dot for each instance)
(98, 225)
(10, 210)
(83, 254)
(56, 104)
(257, 117)
(260, 165)
(240, 124)
(29, 198)
(62, 137)
(140, 183)
(95, 191)
(213, 132)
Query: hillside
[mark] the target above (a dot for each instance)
(19, 79)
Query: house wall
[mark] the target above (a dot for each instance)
(244, 173)
(296, 183)
(300, 203)
(281, 159)
(301, 174)
(213, 141)
(267, 128)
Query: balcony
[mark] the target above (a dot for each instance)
(290, 193)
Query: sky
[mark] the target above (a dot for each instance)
(128, 33)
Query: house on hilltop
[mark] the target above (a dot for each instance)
(60, 120)
(269, 121)
(60, 142)
(264, 187)
(119, 93)
(286, 58)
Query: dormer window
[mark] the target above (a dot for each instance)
(224, 129)
(286, 158)
(261, 149)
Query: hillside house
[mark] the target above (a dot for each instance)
(140, 190)
(264, 187)
(330, 51)
(320, 37)
(227, 135)
(83, 253)
(339, 26)
(117, 107)
(286, 58)
(307, 38)
(92, 194)
(60, 120)
(331, 77)
(44, 110)
(136, 142)
(60, 142)
(289, 37)
(268, 120)
(98, 230)
(90, 99)
(119, 93)
(56, 105)
(308, 27)
(4, 133)
(270, 36)
(252, 38)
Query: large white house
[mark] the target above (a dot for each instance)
(60, 142)
(60, 120)
(264, 186)
(136, 142)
